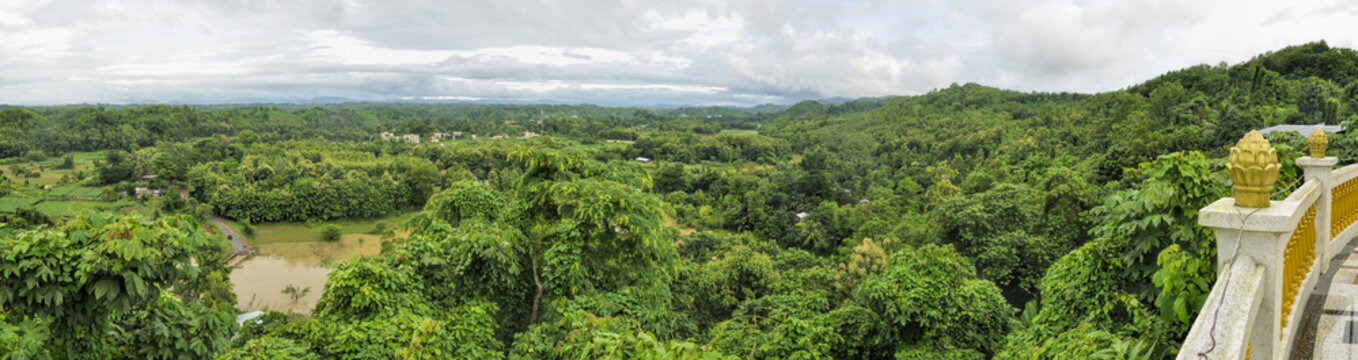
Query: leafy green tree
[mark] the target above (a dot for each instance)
(67, 162)
(778, 326)
(1330, 112)
(35, 156)
(173, 329)
(77, 278)
(117, 166)
(269, 348)
(464, 332)
(669, 178)
(1311, 99)
(1003, 231)
(931, 296)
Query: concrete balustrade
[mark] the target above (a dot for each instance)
(1263, 236)
(1270, 259)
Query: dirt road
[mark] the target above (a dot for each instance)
(237, 241)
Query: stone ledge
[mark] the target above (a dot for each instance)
(1237, 314)
(1278, 217)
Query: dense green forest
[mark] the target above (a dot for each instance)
(967, 223)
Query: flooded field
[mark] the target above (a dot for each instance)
(259, 281)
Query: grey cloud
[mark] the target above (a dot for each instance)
(66, 51)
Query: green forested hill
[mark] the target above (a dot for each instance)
(967, 223)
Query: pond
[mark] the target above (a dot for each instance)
(260, 280)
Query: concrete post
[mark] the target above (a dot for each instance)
(1319, 169)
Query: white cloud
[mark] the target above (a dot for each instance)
(623, 51)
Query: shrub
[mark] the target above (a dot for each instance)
(67, 162)
(330, 233)
(247, 228)
(35, 155)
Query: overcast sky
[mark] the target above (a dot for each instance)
(731, 52)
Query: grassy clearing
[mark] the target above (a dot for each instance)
(12, 203)
(743, 132)
(74, 192)
(272, 233)
(82, 160)
(283, 233)
(53, 209)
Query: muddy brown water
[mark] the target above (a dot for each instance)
(260, 280)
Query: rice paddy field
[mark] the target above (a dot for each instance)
(43, 193)
(49, 175)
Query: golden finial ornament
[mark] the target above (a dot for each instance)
(1318, 142)
(1253, 168)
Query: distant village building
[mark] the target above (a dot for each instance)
(410, 138)
(1304, 130)
(643, 159)
(530, 135)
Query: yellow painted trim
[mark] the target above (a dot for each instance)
(1298, 257)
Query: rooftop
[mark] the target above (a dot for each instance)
(1304, 130)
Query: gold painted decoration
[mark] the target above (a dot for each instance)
(1344, 208)
(1318, 142)
(1253, 168)
(1298, 257)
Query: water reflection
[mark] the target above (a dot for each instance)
(259, 281)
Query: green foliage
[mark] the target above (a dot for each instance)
(692, 148)
(173, 329)
(821, 231)
(269, 348)
(931, 295)
(296, 294)
(1184, 281)
(78, 277)
(331, 232)
(118, 166)
(35, 155)
(1085, 342)
(1081, 294)
(738, 275)
(1003, 230)
(292, 187)
(580, 333)
(1149, 251)
(778, 326)
(464, 332)
(1162, 212)
(247, 228)
(368, 288)
(24, 339)
(462, 200)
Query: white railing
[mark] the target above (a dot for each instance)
(1270, 260)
